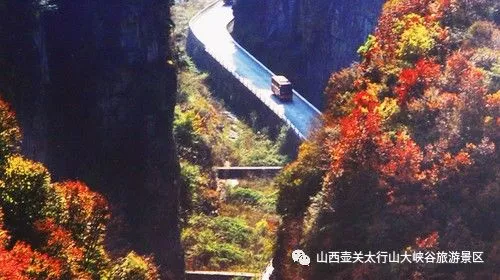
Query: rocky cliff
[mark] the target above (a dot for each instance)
(305, 40)
(95, 96)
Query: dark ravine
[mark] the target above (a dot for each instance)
(306, 40)
(95, 98)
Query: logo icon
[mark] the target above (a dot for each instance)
(301, 257)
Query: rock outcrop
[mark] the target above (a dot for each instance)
(305, 40)
(95, 95)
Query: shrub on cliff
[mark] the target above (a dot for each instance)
(134, 267)
(196, 193)
(411, 148)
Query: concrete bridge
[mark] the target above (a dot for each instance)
(210, 29)
(236, 172)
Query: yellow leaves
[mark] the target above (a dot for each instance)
(373, 89)
(199, 122)
(493, 100)
(416, 40)
(391, 4)
(24, 190)
(297, 182)
(388, 108)
(188, 119)
(417, 37)
(28, 172)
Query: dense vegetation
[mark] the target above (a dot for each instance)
(53, 230)
(226, 227)
(407, 158)
(240, 235)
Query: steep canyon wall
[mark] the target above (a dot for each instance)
(95, 98)
(306, 40)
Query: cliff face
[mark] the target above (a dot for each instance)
(95, 96)
(305, 40)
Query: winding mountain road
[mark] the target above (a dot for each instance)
(210, 27)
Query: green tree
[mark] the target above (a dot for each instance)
(134, 267)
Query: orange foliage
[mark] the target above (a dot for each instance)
(21, 262)
(60, 244)
(404, 159)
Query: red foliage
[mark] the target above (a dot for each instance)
(60, 244)
(407, 79)
(428, 70)
(404, 159)
(41, 266)
(431, 241)
(13, 265)
(87, 211)
(67, 246)
(425, 71)
(357, 130)
(78, 236)
(366, 101)
(21, 262)
(61, 225)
